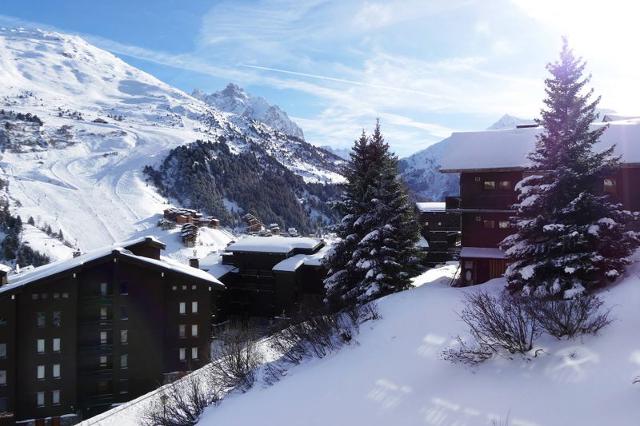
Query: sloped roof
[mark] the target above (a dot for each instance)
(274, 244)
(19, 280)
(508, 149)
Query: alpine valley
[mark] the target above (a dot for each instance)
(94, 149)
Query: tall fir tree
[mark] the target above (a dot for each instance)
(341, 271)
(570, 236)
(387, 254)
(376, 253)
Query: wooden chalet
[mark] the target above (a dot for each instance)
(270, 276)
(102, 328)
(492, 162)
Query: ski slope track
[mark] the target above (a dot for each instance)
(92, 187)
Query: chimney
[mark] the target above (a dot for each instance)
(77, 253)
(194, 262)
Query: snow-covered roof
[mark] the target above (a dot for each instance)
(431, 207)
(4, 268)
(139, 240)
(508, 149)
(219, 269)
(481, 253)
(18, 280)
(290, 264)
(274, 244)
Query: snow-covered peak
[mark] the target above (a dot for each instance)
(235, 100)
(509, 122)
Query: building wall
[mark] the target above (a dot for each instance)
(44, 299)
(8, 337)
(475, 195)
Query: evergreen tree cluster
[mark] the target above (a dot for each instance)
(202, 174)
(11, 247)
(376, 253)
(570, 237)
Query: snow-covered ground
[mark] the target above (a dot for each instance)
(395, 375)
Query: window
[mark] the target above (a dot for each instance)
(124, 361)
(34, 296)
(3, 320)
(183, 354)
(610, 185)
(194, 307)
(194, 330)
(193, 286)
(40, 319)
(504, 185)
(3, 350)
(103, 386)
(4, 404)
(124, 288)
(124, 337)
(503, 224)
(57, 344)
(65, 295)
(55, 371)
(40, 372)
(55, 397)
(174, 288)
(56, 295)
(103, 337)
(183, 308)
(124, 313)
(182, 331)
(40, 399)
(3, 377)
(104, 313)
(40, 346)
(103, 289)
(489, 185)
(194, 353)
(184, 287)
(57, 318)
(488, 224)
(103, 361)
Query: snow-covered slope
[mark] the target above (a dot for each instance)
(233, 99)
(395, 375)
(421, 170)
(104, 120)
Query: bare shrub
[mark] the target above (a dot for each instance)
(235, 362)
(496, 324)
(568, 318)
(180, 403)
(318, 335)
(500, 322)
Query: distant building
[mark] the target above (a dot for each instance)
(80, 335)
(491, 163)
(440, 229)
(269, 276)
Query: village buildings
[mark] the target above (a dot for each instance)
(80, 335)
(492, 162)
(269, 276)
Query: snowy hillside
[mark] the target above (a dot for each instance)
(395, 375)
(79, 169)
(421, 170)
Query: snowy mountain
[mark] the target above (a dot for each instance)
(78, 167)
(340, 152)
(421, 170)
(235, 100)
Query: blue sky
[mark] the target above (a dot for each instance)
(425, 67)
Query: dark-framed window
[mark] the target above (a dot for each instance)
(489, 185)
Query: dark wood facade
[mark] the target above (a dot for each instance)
(440, 227)
(258, 287)
(99, 332)
(487, 197)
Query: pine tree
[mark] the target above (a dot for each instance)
(387, 254)
(342, 273)
(570, 237)
(376, 254)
